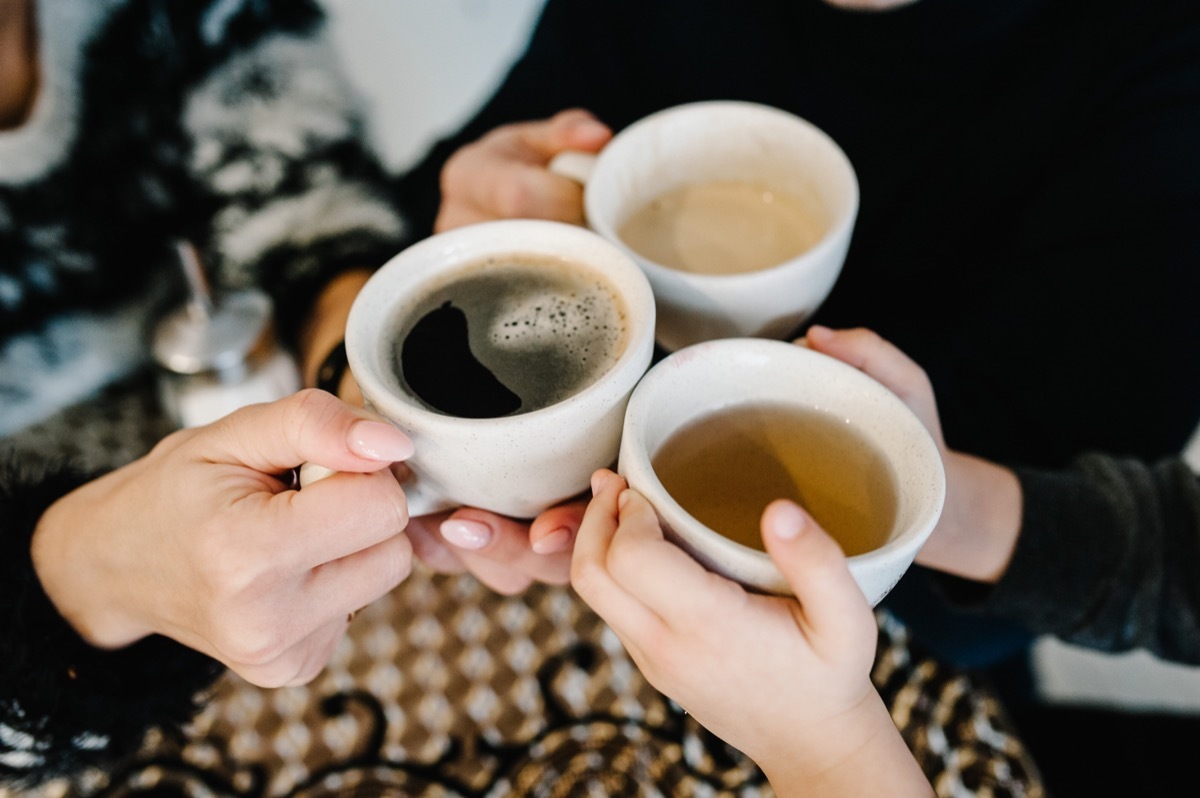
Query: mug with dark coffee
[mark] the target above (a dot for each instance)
(507, 352)
(716, 431)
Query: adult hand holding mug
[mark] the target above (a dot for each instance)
(739, 213)
(504, 174)
(506, 351)
(204, 540)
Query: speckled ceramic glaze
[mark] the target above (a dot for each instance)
(514, 465)
(724, 141)
(707, 377)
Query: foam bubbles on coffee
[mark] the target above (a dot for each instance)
(509, 336)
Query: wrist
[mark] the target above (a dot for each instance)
(77, 577)
(326, 325)
(859, 753)
(977, 533)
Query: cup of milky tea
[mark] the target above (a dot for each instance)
(716, 431)
(507, 352)
(739, 213)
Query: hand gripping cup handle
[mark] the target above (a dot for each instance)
(329, 377)
(514, 464)
(421, 499)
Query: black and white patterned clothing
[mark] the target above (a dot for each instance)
(223, 122)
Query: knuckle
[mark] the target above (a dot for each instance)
(269, 676)
(304, 413)
(661, 656)
(399, 562)
(569, 116)
(824, 555)
(227, 571)
(305, 406)
(623, 560)
(457, 170)
(397, 502)
(172, 442)
(515, 198)
(257, 646)
(720, 596)
(586, 576)
(512, 584)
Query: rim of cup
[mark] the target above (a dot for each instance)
(844, 216)
(376, 307)
(921, 492)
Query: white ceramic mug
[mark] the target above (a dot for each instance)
(518, 464)
(704, 378)
(724, 141)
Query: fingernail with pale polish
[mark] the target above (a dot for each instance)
(555, 542)
(466, 534)
(375, 440)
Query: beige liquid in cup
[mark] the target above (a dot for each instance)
(725, 468)
(724, 227)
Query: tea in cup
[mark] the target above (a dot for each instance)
(716, 431)
(739, 213)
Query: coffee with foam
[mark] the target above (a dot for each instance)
(508, 335)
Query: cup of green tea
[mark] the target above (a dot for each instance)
(716, 431)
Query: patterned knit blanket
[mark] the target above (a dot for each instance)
(444, 688)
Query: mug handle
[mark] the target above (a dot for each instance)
(421, 500)
(576, 165)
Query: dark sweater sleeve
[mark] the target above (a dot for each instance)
(66, 705)
(1108, 558)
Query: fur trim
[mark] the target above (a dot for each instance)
(65, 27)
(64, 704)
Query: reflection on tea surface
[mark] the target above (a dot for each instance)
(724, 227)
(725, 468)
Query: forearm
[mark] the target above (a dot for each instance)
(878, 762)
(68, 703)
(325, 326)
(977, 532)
(1131, 534)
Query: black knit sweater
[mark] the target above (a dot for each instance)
(1028, 232)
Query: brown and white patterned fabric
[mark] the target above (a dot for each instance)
(444, 688)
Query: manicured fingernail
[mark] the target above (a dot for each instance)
(555, 542)
(789, 521)
(466, 534)
(375, 440)
(598, 482)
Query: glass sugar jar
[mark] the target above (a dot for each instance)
(218, 353)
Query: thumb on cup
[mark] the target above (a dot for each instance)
(308, 427)
(814, 565)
